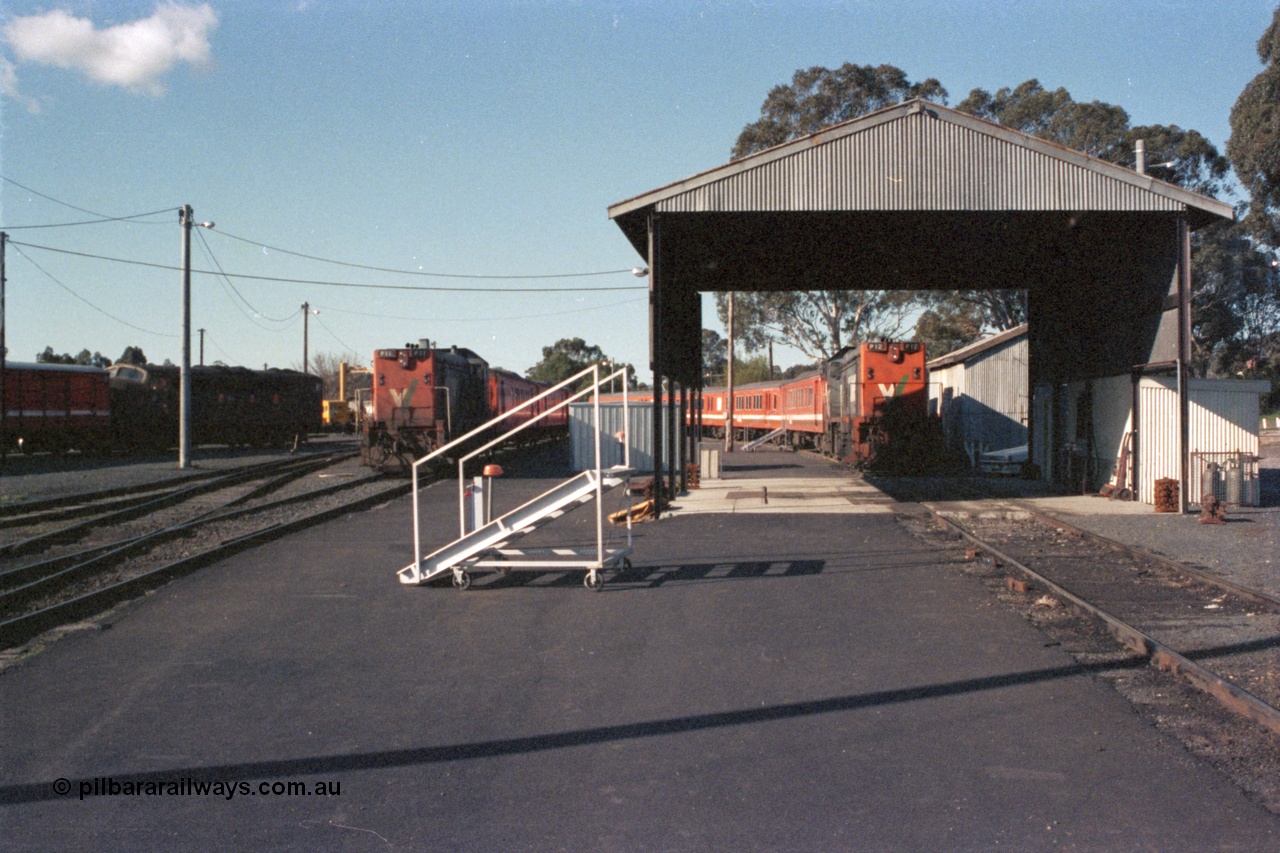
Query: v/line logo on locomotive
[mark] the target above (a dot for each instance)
(865, 405)
(853, 406)
(424, 396)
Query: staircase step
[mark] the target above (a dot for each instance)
(518, 522)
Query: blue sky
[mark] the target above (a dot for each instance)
(466, 139)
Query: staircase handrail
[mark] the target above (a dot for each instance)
(594, 387)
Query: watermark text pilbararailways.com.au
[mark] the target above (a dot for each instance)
(106, 786)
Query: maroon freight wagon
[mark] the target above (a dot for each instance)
(55, 407)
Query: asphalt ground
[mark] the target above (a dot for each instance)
(781, 682)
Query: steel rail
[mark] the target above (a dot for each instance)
(22, 576)
(53, 580)
(1071, 529)
(1160, 655)
(166, 500)
(55, 508)
(1173, 565)
(78, 506)
(22, 628)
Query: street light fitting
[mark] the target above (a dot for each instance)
(639, 272)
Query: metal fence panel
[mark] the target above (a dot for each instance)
(582, 435)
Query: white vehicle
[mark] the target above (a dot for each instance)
(1008, 461)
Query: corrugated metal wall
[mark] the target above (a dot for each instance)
(1112, 419)
(582, 435)
(917, 163)
(984, 399)
(1223, 418)
(996, 384)
(1157, 434)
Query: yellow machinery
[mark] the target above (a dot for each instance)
(338, 414)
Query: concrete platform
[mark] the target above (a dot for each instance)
(806, 495)
(787, 682)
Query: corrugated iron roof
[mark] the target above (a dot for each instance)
(976, 348)
(919, 156)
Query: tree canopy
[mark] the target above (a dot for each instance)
(820, 97)
(84, 357)
(1254, 146)
(133, 355)
(818, 323)
(568, 356)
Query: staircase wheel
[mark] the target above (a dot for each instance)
(461, 580)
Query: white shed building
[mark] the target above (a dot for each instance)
(980, 393)
(1084, 430)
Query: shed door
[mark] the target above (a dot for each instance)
(1157, 434)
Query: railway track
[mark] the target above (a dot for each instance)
(39, 528)
(121, 554)
(1220, 637)
(86, 568)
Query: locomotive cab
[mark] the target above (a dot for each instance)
(422, 398)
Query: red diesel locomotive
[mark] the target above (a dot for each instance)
(845, 409)
(872, 390)
(425, 396)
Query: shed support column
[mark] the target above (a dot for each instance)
(673, 436)
(655, 355)
(684, 438)
(1184, 359)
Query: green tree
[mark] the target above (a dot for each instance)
(133, 355)
(1236, 321)
(748, 370)
(1103, 131)
(1184, 157)
(816, 322)
(819, 323)
(50, 357)
(715, 355)
(942, 331)
(1094, 128)
(84, 357)
(568, 356)
(1240, 292)
(1254, 146)
(820, 97)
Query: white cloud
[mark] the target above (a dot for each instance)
(135, 55)
(9, 86)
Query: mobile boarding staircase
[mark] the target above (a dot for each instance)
(765, 439)
(483, 542)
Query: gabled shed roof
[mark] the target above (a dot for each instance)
(921, 157)
(977, 347)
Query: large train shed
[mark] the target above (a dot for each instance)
(921, 196)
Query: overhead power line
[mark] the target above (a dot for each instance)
(136, 216)
(357, 285)
(105, 313)
(102, 217)
(484, 319)
(227, 282)
(416, 272)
